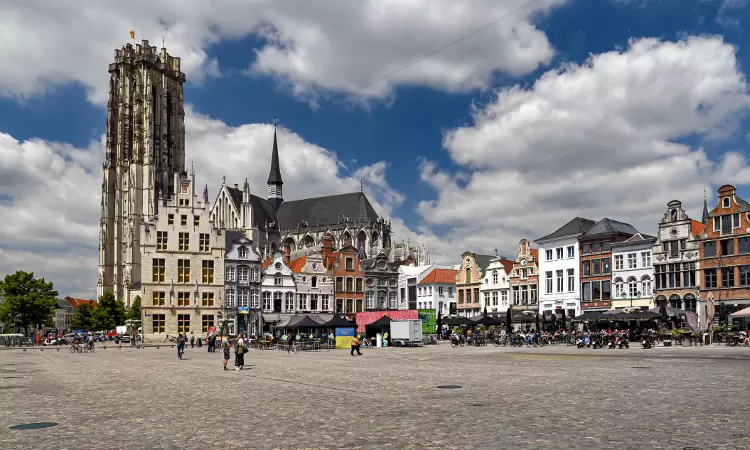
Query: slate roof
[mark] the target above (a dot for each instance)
(635, 239)
(63, 304)
(329, 210)
(262, 209)
(483, 261)
(440, 276)
(607, 226)
(577, 226)
(274, 176)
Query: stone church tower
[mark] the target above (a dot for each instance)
(145, 149)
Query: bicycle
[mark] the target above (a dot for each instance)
(87, 348)
(171, 339)
(76, 348)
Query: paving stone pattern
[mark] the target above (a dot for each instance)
(554, 397)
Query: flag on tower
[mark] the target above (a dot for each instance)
(132, 34)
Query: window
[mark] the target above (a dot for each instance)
(515, 295)
(605, 266)
(735, 220)
(709, 278)
(646, 259)
(467, 278)
(183, 323)
(744, 275)
(586, 249)
(242, 274)
(170, 219)
(339, 305)
(468, 296)
(596, 247)
(523, 273)
(596, 290)
(619, 262)
(349, 264)
(207, 322)
(709, 248)
(278, 280)
(727, 277)
(532, 293)
(596, 267)
(242, 252)
(159, 298)
(393, 300)
(586, 268)
(674, 250)
(494, 277)
(183, 271)
(230, 298)
(450, 291)
(242, 300)
(359, 284)
(183, 242)
(158, 269)
(559, 252)
(339, 284)
(571, 280)
(203, 242)
(381, 300)
(743, 245)
(302, 302)
(161, 240)
(267, 301)
(183, 299)
(726, 224)
(208, 298)
(229, 273)
(548, 282)
(440, 291)
(254, 298)
(606, 290)
(548, 255)
(183, 220)
(207, 269)
(349, 284)
(632, 287)
(632, 260)
(324, 302)
(619, 291)
(646, 286)
(196, 221)
(158, 323)
(313, 302)
(586, 291)
(494, 298)
(725, 202)
(288, 301)
(504, 296)
(571, 251)
(727, 247)
(314, 282)
(559, 275)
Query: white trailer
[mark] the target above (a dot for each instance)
(406, 333)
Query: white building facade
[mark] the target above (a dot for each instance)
(409, 277)
(436, 291)
(278, 290)
(633, 273)
(242, 284)
(559, 270)
(494, 293)
(314, 284)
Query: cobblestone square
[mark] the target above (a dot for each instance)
(553, 397)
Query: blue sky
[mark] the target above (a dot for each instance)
(435, 146)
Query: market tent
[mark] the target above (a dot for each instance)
(640, 315)
(339, 322)
(741, 313)
(456, 321)
(383, 322)
(670, 311)
(487, 320)
(590, 316)
(306, 322)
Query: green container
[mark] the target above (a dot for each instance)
(429, 320)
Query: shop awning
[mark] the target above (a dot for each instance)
(741, 313)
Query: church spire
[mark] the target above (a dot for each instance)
(705, 208)
(274, 177)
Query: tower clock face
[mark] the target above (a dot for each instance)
(523, 263)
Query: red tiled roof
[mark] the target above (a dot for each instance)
(266, 263)
(535, 254)
(507, 265)
(696, 227)
(298, 264)
(440, 276)
(76, 302)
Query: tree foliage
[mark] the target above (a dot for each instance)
(108, 313)
(135, 309)
(28, 300)
(82, 319)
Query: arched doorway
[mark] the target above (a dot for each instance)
(675, 302)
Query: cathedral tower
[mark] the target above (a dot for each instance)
(275, 196)
(145, 148)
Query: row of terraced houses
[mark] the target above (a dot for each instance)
(589, 265)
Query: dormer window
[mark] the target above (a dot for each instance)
(242, 252)
(277, 280)
(314, 282)
(725, 202)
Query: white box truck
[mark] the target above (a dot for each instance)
(406, 333)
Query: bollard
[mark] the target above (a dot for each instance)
(24, 349)
(58, 349)
(172, 345)
(119, 347)
(157, 346)
(104, 346)
(41, 349)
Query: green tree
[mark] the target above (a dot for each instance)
(28, 300)
(108, 313)
(135, 309)
(82, 319)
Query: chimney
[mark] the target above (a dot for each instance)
(326, 247)
(287, 253)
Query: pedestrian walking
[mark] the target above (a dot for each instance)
(289, 342)
(180, 345)
(239, 353)
(192, 340)
(355, 346)
(227, 348)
